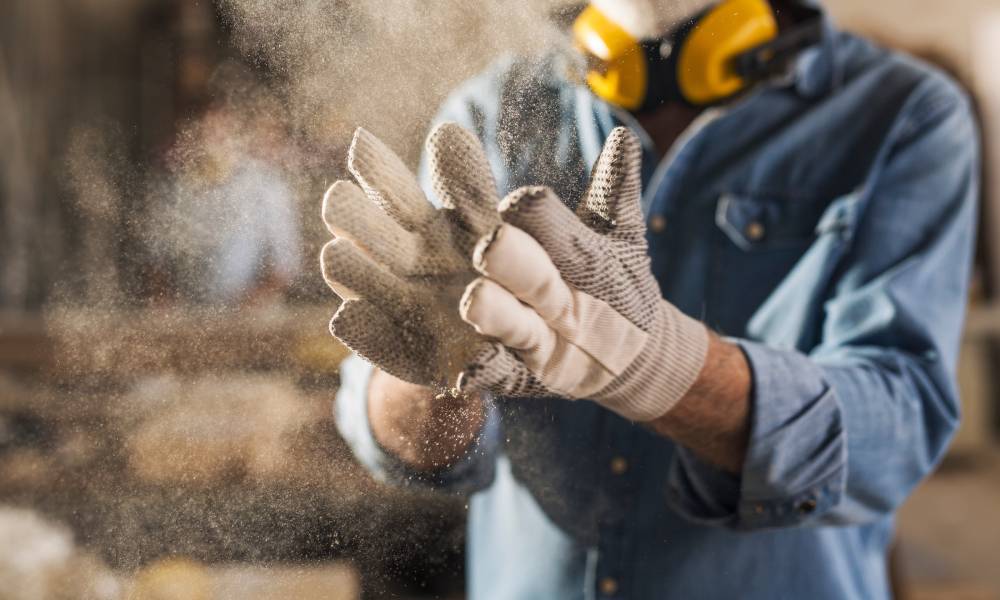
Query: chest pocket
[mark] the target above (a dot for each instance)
(761, 239)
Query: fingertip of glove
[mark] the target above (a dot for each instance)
(469, 297)
(450, 133)
(364, 145)
(332, 325)
(341, 189)
(482, 247)
(622, 148)
(469, 379)
(461, 175)
(612, 198)
(328, 253)
(387, 181)
(623, 136)
(361, 136)
(354, 319)
(523, 198)
(337, 321)
(466, 380)
(331, 255)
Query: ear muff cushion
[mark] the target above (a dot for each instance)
(623, 76)
(705, 65)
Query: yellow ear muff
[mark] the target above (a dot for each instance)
(618, 74)
(705, 65)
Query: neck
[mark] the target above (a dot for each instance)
(665, 124)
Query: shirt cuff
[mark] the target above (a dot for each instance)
(795, 467)
(473, 472)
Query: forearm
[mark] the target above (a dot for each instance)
(713, 418)
(424, 429)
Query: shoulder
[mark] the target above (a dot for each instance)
(923, 93)
(509, 73)
(524, 111)
(925, 170)
(507, 86)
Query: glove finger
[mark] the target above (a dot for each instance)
(580, 254)
(493, 311)
(352, 274)
(387, 181)
(496, 369)
(612, 202)
(539, 211)
(349, 214)
(571, 356)
(518, 262)
(375, 336)
(463, 180)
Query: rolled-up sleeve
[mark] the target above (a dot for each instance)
(795, 466)
(842, 432)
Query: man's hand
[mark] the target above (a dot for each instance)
(568, 297)
(399, 264)
(573, 302)
(426, 429)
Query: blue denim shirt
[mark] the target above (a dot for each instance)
(825, 223)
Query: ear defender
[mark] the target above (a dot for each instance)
(698, 63)
(706, 64)
(616, 66)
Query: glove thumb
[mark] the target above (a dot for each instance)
(611, 205)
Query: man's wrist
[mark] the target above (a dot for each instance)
(663, 373)
(713, 418)
(425, 428)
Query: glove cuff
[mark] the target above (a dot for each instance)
(664, 371)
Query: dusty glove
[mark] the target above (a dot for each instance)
(573, 303)
(399, 263)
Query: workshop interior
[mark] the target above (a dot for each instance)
(181, 420)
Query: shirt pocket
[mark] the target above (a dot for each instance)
(763, 238)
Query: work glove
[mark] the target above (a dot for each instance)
(572, 303)
(399, 263)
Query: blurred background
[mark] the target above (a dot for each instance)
(166, 375)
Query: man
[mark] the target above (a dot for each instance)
(811, 237)
(226, 231)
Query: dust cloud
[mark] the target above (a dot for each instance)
(384, 65)
(177, 423)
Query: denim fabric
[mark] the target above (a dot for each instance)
(825, 223)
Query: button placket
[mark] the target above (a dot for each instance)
(614, 547)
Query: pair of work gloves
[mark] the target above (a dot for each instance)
(520, 297)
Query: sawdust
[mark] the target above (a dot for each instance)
(40, 561)
(212, 458)
(383, 65)
(199, 430)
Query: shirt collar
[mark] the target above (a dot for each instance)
(816, 71)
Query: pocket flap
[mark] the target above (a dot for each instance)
(841, 216)
(757, 222)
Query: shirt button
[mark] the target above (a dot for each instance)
(657, 223)
(619, 465)
(755, 231)
(807, 506)
(608, 586)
